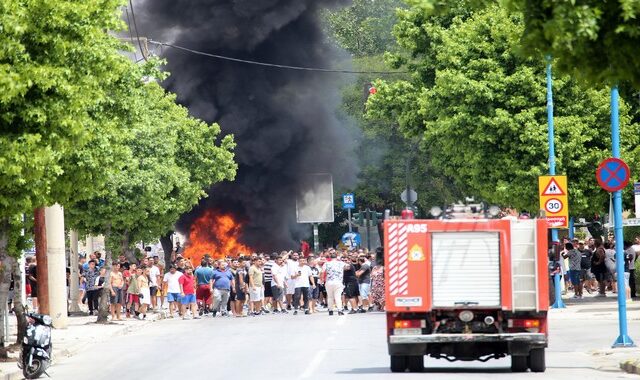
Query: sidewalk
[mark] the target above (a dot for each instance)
(81, 333)
(605, 309)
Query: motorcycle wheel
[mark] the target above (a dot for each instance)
(35, 370)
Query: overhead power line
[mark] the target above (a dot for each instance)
(135, 26)
(289, 67)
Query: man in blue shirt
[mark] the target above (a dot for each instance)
(204, 274)
(221, 283)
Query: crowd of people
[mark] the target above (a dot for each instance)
(337, 281)
(591, 266)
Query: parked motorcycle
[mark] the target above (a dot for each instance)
(35, 356)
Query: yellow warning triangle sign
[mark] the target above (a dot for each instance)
(553, 188)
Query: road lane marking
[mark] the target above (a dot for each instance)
(313, 365)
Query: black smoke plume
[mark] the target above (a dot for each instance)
(283, 121)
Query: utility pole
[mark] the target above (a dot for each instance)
(558, 304)
(42, 271)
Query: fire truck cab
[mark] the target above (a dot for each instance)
(466, 289)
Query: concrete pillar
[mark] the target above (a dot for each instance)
(73, 262)
(54, 217)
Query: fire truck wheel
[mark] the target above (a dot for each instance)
(518, 363)
(415, 363)
(536, 360)
(398, 363)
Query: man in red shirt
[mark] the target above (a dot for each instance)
(188, 293)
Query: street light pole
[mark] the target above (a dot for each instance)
(558, 304)
(623, 339)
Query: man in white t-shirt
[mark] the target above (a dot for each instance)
(278, 275)
(292, 269)
(154, 280)
(172, 279)
(303, 280)
(334, 275)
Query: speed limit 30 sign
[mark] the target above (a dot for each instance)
(554, 200)
(553, 206)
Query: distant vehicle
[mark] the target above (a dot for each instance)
(466, 288)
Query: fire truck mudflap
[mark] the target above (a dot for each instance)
(466, 290)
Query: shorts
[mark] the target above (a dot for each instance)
(364, 289)
(232, 296)
(134, 298)
(255, 295)
(118, 297)
(314, 293)
(153, 291)
(291, 287)
(173, 297)
(241, 296)
(146, 296)
(203, 293)
(276, 292)
(188, 299)
(351, 290)
(574, 275)
(267, 290)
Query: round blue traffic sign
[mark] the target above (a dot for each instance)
(613, 174)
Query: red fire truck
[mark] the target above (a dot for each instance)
(466, 289)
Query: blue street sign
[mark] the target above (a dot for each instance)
(636, 188)
(351, 239)
(348, 201)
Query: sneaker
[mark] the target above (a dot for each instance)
(213, 313)
(370, 309)
(352, 312)
(330, 312)
(283, 311)
(361, 310)
(340, 313)
(288, 307)
(307, 312)
(197, 317)
(295, 312)
(346, 308)
(140, 316)
(576, 297)
(265, 310)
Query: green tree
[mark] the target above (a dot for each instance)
(364, 28)
(480, 109)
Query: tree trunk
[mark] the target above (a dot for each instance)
(17, 301)
(5, 280)
(126, 250)
(42, 272)
(167, 247)
(103, 307)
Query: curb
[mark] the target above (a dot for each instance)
(631, 366)
(61, 354)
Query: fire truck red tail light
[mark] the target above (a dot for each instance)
(409, 323)
(524, 323)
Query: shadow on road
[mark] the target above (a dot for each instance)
(374, 370)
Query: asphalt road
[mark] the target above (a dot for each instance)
(319, 347)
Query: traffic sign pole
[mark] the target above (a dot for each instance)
(349, 219)
(623, 339)
(558, 304)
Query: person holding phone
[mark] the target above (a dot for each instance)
(303, 281)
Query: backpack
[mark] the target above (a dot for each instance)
(585, 260)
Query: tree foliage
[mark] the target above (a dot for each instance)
(55, 62)
(480, 109)
(364, 28)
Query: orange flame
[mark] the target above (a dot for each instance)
(215, 234)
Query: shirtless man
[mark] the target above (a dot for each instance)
(116, 282)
